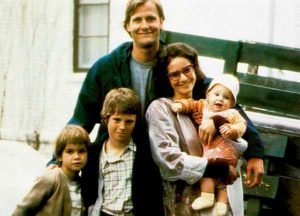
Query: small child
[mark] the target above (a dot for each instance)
(57, 191)
(220, 98)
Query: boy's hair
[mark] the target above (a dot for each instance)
(132, 5)
(120, 101)
(70, 134)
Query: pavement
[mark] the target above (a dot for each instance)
(20, 164)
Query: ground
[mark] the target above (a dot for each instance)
(20, 164)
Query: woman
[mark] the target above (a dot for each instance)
(174, 141)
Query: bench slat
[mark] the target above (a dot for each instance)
(252, 207)
(267, 189)
(275, 144)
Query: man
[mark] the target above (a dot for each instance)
(130, 65)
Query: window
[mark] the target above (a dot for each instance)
(90, 32)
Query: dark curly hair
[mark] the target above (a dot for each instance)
(166, 55)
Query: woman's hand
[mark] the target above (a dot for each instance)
(207, 131)
(232, 175)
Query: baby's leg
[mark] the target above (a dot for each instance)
(222, 200)
(207, 198)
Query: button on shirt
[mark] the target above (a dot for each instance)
(117, 175)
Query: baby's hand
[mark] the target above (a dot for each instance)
(228, 132)
(224, 129)
(176, 107)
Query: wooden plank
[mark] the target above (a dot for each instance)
(282, 102)
(259, 54)
(275, 144)
(282, 168)
(269, 55)
(209, 47)
(269, 81)
(273, 123)
(252, 207)
(267, 189)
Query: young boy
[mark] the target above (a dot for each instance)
(119, 168)
(57, 191)
(220, 98)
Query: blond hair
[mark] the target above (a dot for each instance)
(121, 101)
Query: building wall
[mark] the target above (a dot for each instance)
(38, 88)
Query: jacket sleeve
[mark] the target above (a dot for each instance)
(188, 105)
(87, 109)
(255, 144)
(192, 106)
(173, 163)
(36, 198)
(110, 71)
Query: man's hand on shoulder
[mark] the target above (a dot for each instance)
(52, 166)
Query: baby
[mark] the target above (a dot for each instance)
(227, 144)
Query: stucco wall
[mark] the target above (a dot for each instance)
(38, 88)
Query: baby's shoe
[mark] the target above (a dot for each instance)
(206, 200)
(221, 208)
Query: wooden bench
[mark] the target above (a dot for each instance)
(266, 99)
(275, 148)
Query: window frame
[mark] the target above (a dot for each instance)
(76, 36)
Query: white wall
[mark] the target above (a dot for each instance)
(38, 88)
(36, 67)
